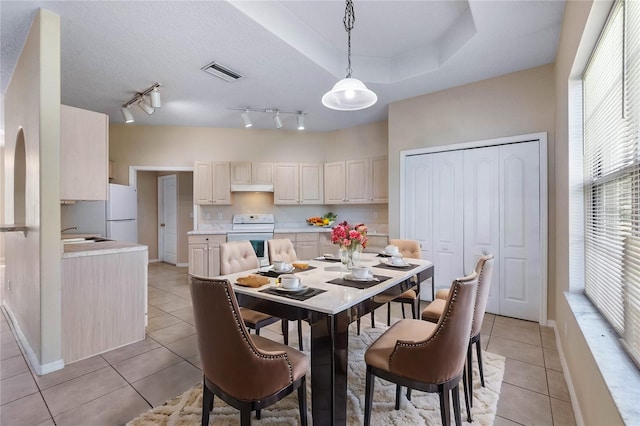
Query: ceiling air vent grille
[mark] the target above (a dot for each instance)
(221, 71)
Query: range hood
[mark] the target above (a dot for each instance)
(251, 188)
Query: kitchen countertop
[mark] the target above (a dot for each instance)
(99, 248)
(285, 228)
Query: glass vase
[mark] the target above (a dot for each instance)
(349, 257)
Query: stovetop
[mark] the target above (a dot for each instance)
(253, 222)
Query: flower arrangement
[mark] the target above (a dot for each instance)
(349, 237)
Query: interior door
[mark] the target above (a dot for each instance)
(520, 263)
(167, 219)
(418, 219)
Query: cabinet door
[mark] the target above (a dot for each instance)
(379, 180)
(307, 250)
(417, 215)
(199, 259)
(285, 183)
(325, 245)
(334, 183)
(262, 173)
(311, 183)
(241, 173)
(221, 192)
(214, 260)
(202, 183)
(84, 154)
(357, 181)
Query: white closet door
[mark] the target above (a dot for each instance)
(418, 218)
(447, 204)
(482, 214)
(520, 263)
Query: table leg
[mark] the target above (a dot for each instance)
(329, 350)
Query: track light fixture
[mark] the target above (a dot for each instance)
(246, 118)
(140, 99)
(277, 119)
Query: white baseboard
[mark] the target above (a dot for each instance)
(182, 265)
(567, 377)
(40, 369)
(154, 260)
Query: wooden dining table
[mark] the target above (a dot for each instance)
(338, 302)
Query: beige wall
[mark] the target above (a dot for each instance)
(185, 214)
(593, 398)
(32, 103)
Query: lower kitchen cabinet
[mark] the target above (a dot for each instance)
(305, 243)
(204, 254)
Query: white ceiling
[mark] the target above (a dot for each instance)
(289, 53)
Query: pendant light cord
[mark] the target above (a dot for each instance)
(348, 21)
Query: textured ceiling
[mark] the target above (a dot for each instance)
(289, 53)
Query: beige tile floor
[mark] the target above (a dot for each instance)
(114, 387)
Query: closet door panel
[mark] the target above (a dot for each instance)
(520, 231)
(447, 211)
(417, 211)
(482, 214)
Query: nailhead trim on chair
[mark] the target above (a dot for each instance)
(251, 344)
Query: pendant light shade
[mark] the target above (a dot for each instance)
(349, 94)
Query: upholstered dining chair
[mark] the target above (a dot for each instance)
(433, 312)
(425, 356)
(410, 249)
(281, 249)
(248, 372)
(238, 256)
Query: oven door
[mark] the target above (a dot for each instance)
(257, 239)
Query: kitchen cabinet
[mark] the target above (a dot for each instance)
(204, 254)
(363, 181)
(251, 173)
(295, 183)
(84, 154)
(325, 245)
(305, 243)
(211, 183)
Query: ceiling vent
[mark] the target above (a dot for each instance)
(221, 71)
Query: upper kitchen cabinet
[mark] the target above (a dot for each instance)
(295, 183)
(356, 181)
(248, 173)
(211, 183)
(84, 154)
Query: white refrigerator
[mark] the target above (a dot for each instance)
(122, 213)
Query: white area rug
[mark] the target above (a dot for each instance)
(423, 409)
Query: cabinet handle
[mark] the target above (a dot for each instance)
(162, 225)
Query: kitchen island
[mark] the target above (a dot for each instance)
(104, 297)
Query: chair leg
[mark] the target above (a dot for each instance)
(455, 392)
(285, 331)
(258, 414)
(302, 402)
(245, 416)
(373, 319)
(358, 322)
(445, 415)
(404, 316)
(416, 308)
(388, 314)
(479, 353)
(207, 402)
(300, 335)
(467, 393)
(409, 393)
(368, 396)
(398, 391)
(469, 368)
(257, 331)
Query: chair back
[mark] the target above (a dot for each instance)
(484, 268)
(282, 249)
(441, 356)
(408, 248)
(229, 358)
(237, 256)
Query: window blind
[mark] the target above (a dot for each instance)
(611, 102)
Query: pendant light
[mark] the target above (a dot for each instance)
(349, 94)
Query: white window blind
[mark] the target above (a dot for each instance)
(611, 93)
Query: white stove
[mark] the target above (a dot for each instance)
(255, 228)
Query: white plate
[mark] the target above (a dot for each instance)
(291, 290)
(396, 265)
(350, 277)
(284, 271)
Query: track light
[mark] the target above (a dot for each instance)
(246, 118)
(277, 121)
(300, 121)
(154, 96)
(126, 114)
(144, 105)
(140, 99)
